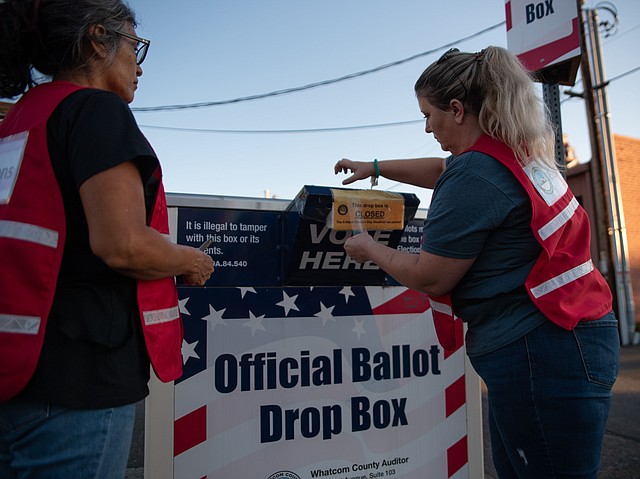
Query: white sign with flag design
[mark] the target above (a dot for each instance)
(317, 381)
(301, 382)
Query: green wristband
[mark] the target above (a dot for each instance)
(374, 178)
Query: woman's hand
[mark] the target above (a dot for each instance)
(360, 169)
(201, 269)
(358, 247)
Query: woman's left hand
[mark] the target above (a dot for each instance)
(358, 247)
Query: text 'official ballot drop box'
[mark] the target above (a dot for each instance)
(300, 363)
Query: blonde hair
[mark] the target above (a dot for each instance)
(493, 85)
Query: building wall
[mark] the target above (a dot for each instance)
(628, 160)
(580, 180)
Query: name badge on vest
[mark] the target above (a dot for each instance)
(11, 153)
(549, 183)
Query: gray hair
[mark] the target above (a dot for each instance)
(51, 37)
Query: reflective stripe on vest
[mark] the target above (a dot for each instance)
(161, 315)
(28, 232)
(560, 220)
(562, 279)
(14, 323)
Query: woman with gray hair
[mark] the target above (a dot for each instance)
(506, 249)
(88, 274)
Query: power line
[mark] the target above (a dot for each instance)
(624, 74)
(571, 94)
(307, 130)
(343, 128)
(312, 85)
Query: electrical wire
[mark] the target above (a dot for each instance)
(569, 92)
(309, 86)
(628, 72)
(306, 130)
(571, 96)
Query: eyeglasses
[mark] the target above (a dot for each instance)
(142, 45)
(445, 56)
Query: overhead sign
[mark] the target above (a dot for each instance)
(545, 34)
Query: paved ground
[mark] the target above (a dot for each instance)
(621, 447)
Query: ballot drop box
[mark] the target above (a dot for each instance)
(301, 363)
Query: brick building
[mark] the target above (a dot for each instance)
(628, 156)
(580, 180)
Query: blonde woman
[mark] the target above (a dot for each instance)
(506, 249)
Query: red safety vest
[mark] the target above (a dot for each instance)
(32, 238)
(563, 283)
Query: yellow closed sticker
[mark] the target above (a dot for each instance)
(359, 210)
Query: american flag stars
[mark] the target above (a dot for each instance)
(334, 313)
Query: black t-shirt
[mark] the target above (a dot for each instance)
(94, 354)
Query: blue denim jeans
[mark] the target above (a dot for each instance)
(38, 440)
(549, 395)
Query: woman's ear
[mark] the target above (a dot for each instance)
(457, 108)
(98, 35)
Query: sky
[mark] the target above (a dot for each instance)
(219, 51)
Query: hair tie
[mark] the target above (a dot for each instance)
(480, 56)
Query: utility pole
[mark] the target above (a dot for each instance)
(601, 222)
(604, 159)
